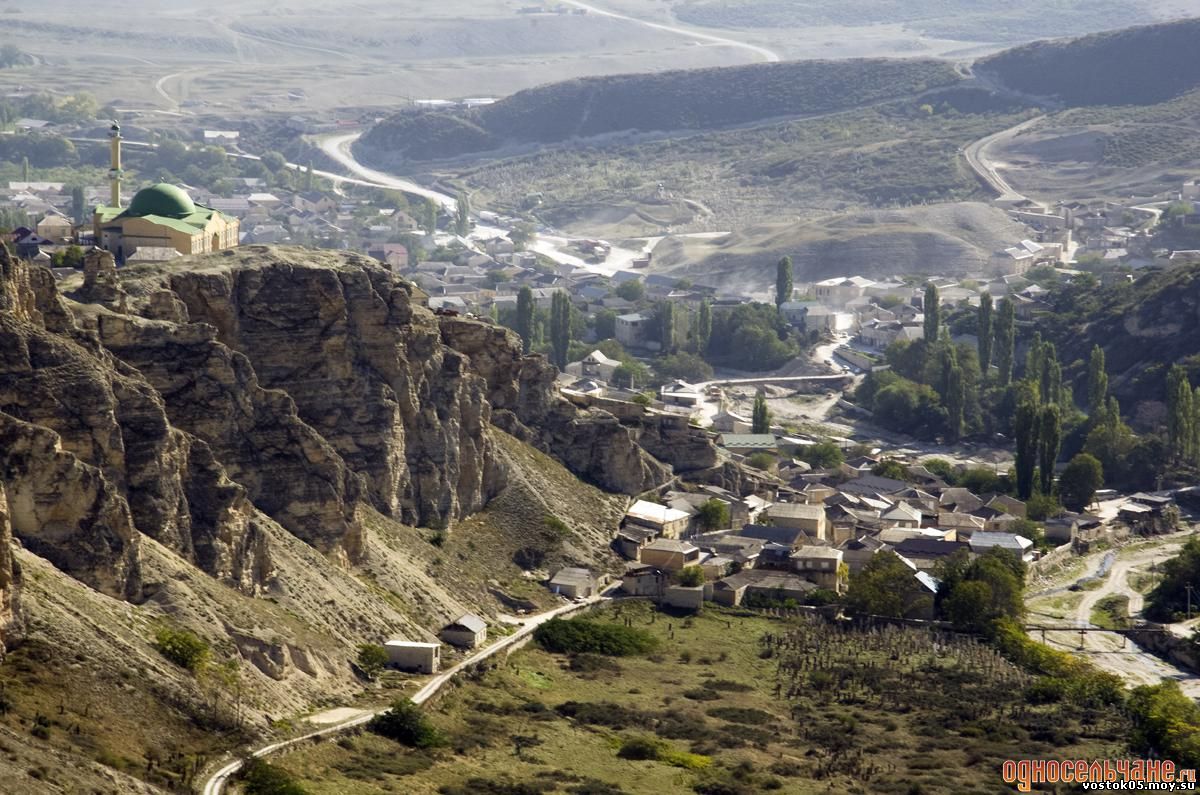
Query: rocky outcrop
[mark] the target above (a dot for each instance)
(66, 511)
(592, 444)
(189, 402)
(10, 580)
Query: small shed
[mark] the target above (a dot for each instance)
(409, 655)
(574, 583)
(467, 632)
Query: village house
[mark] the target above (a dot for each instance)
(414, 656)
(574, 583)
(925, 554)
(800, 516)
(901, 514)
(681, 393)
(670, 554)
(789, 538)
(821, 565)
(632, 329)
(641, 579)
(630, 540)
(1020, 546)
(467, 632)
(747, 443)
(726, 421)
(594, 365)
(857, 552)
(664, 521)
(760, 585)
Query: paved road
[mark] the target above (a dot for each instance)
(216, 783)
(977, 158)
(762, 52)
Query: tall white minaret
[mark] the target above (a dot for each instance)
(114, 171)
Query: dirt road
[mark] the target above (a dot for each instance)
(1108, 650)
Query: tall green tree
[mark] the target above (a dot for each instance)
(984, 334)
(429, 217)
(525, 318)
(1006, 340)
(760, 419)
(955, 402)
(462, 215)
(560, 329)
(1097, 384)
(78, 205)
(666, 326)
(1025, 429)
(704, 326)
(1049, 444)
(1180, 414)
(933, 314)
(783, 281)
(1079, 482)
(1050, 382)
(1034, 356)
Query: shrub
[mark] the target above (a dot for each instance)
(691, 576)
(406, 724)
(261, 778)
(603, 713)
(182, 647)
(593, 663)
(372, 658)
(748, 716)
(650, 748)
(762, 460)
(582, 635)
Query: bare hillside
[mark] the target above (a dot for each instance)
(943, 239)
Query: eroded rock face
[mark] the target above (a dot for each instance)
(10, 580)
(189, 402)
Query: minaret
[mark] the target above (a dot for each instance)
(114, 172)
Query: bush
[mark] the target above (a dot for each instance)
(261, 778)
(406, 724)
(604, 713)
(182, 647)
(691, 576)
(582, 635)
(372, 658)
(762, 460)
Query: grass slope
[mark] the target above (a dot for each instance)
(718, 710)
(1136, 66)
(698, 99)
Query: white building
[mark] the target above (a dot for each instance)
(633, 328)
(594, 365)
(408, 655)
(840, 291)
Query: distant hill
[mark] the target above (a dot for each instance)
(948, 239)
(698, 99)
(1135, 66)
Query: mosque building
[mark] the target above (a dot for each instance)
(159, 217)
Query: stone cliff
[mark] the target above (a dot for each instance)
(197, 403)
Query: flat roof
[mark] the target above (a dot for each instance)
(653, 512)
(412, 644)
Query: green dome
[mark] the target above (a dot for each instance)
(162, 199)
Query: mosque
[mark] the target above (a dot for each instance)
(159, 217)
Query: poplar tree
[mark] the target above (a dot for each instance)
(783, 281)
(525, 318)
(1006, 329)
(955, 401)
(462, 215)
(984, 334)
(760, 420)
(1097, 384)
(1180, 414)
(933, 315)
(666, 326)
(1051, 376)
(560, 329)
(704, 326)
(1025, 428)
(1049, 444)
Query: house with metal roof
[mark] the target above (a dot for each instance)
(1020, 545)
(467, 631)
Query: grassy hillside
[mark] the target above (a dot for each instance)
(1136, 66)
(1143, 328)
(697, 99)
(731, 703)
